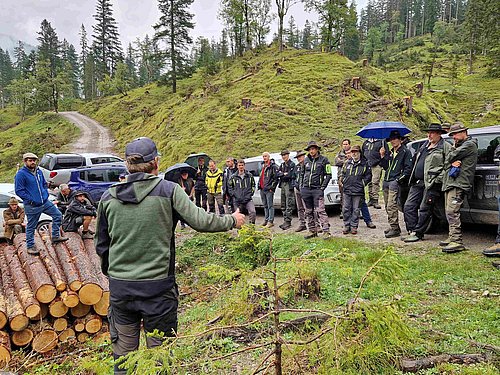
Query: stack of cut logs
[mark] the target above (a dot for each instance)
(50, 298)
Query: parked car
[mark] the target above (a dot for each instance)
(57, 168)
(7, 192)
(481, 205)
(95, 180)
(253, 165)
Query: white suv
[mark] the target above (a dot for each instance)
(57, 168)
(332, 193)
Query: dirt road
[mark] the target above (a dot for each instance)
(94, 137)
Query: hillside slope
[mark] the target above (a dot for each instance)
(311, 99)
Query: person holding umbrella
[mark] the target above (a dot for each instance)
(397, 165)
(371, 151)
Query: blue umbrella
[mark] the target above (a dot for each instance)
(382, 129)
(174, 172)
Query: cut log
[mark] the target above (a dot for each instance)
(44, 311)
(15, 312)
(21, 285)
(60, 324)
(80, 310)
(57, 308)
(37, 275)
(23, 338)
(3, 306)
(67, 334)
(4, 348)
(93, 323)
(102, 306)
(102, 337)
(415, 365)
(51, 264)
(67, 264)
(82, 336)
(96, 261)
(70, 298)
(79, 325)
(91, 292)
(45, 341)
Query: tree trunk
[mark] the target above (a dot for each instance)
(15, 312)
(247, 27)
(93, 323)
(281, 16)
(3, 307)
(173, 56)
(57, 308)
(37, 275)
(67, 334)
(96, 261)
(22, 338)
(51, 263)
(67, 265)
(4, 348)
(80, 310)
(22, 288)
(45, 340)
(90, 293)
(60, 324)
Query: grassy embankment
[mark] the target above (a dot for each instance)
(39, 133)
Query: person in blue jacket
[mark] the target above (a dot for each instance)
(31, 187)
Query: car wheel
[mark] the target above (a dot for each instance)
(44, 227)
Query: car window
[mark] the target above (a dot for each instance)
(4, 201)
(253, 167)
(68, 162)
(96, 175)
(105, 159)
(487, 143)
(45, 162)
(114, 174)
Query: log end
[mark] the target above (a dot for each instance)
(20, 322)
(3, 319)
(102, 306)
(4, 355)
(60, 324)
(46, 293)
(75, 285)
(70, 299)
(22, 338)
(33, 311)
(93, 325)
(61, 286)
(58, 309)
(45, 341)
(90, 294)
(82, 337)
(67, 334)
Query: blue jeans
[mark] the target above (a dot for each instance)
(33, 213)
(267, 200)
(365, 212)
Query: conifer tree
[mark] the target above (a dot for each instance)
(350, 40)
(6, 75)
(173, 28)
(283, 8)
(20, 61)
(333, 14)
(306, 38)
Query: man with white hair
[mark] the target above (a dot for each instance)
(268, 180)
(64, 197)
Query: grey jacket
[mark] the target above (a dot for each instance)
(466, 152)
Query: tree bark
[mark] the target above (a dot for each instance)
(37, 275)
(51, 263)
(15, 312)
(3, 307)
(67, 264)
(22, 287)
(409, 365)
(4, 348)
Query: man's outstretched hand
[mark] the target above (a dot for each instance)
(240, 218)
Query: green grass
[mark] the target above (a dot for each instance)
(40, 133)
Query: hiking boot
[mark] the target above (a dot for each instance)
(33, 250)
(264, 224)
(285, 225)
(59, 239)
(354, 230)
(371, 225)
(91, 231)
(413, 237)
(341, 216)
(310, 235)
(346, 230)
(327, 235)
(453, 247)
(387, 230)
(393, 233)
(270, 224)
(444, 242)
(87, 236)
(301, 228)
(492, 251)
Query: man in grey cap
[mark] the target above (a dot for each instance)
(286, 178)
(460, 166)
(135, 238)
(31, 187)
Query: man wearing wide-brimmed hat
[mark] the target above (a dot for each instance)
(13, 219)
(317, 175)
(286, 178)
(426, 182)
(31, 187)
(397, 165)
(299, 175)
(460, 166)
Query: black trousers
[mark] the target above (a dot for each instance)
(412, 205)
(125, 317)
(201, 198)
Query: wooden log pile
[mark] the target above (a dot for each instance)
(50, 298)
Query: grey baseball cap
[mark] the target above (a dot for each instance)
(142, 147)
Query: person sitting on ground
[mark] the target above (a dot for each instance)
(356, 174)
(64, 197)
(79, 213)
(241, 187)
(13, 220)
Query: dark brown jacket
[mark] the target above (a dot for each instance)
(12, 218)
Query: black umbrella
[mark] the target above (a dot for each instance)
(174, 172)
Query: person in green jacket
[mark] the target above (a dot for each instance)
(460, 167)
(135, 238)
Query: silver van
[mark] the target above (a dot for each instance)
(253, 165)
